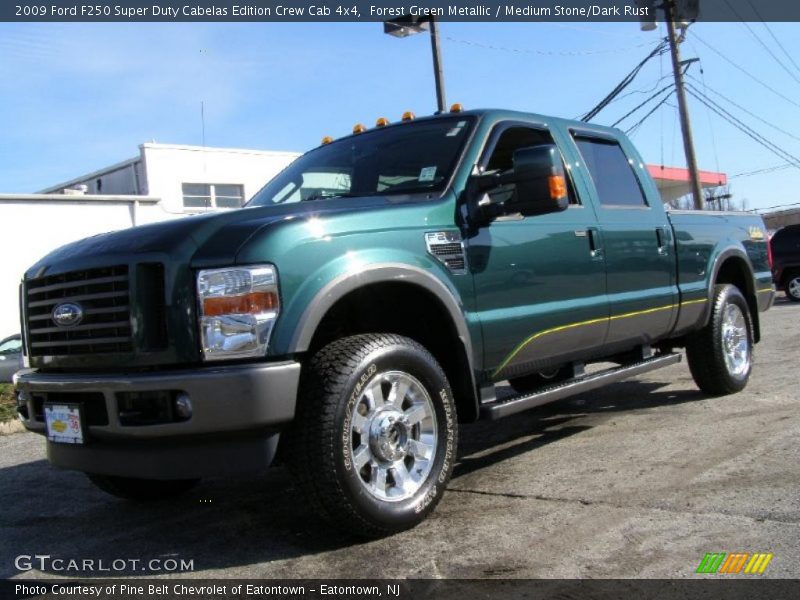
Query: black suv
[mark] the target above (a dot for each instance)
(785, 245)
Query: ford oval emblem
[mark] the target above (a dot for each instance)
(67, 314)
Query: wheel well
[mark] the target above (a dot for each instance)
(409, 310)
(787, 274)
(735, 272)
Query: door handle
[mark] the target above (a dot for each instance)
(595, 246)
(661, 241)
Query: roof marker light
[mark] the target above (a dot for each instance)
(381, 122)
(457, 108)
(327, 140)
(359, 128)
(409, 116)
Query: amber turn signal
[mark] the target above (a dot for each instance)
(558, 187)
(249, 304)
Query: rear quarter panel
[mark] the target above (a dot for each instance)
(704, 241)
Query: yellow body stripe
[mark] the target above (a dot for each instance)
(636, 313)
(765, 290)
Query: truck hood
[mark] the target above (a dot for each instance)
(200, 240)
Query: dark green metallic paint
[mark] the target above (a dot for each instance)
(525, 276)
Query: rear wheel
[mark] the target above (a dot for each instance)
(721, 354)
(792, 287)
(142, 490)
(374, 441)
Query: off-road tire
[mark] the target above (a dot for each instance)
(706, 350)
(319, 448)
(142, 490)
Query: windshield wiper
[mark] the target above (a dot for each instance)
(327, 196)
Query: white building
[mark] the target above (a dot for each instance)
(187, 179)
(164, 182)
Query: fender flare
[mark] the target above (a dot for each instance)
(339, 287)
(749, 294)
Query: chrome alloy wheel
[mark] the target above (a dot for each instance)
(794, 287)
(393, 436)
(735, 342)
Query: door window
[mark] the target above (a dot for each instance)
(612, 172)
(501, 157)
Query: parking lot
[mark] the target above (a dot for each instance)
(640, 479)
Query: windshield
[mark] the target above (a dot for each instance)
(412, 157)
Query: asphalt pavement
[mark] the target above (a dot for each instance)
(640, 479)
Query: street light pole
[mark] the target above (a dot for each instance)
(683, 108)
(411, 24)
(438, 71)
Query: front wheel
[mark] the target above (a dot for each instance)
(374, 441)
(142, 490)
(721, 354)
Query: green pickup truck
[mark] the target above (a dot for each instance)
(372, 296)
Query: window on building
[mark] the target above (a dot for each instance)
(611, 171)
(212, 195)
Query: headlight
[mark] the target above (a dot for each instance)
(238, 308)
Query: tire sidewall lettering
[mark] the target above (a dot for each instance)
(426, 497)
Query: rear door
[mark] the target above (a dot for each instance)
(540, 288)
(638, 244)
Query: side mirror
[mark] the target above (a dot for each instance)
(539, 180)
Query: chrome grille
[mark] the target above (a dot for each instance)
(102, 293)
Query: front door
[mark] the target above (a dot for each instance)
(540, 281)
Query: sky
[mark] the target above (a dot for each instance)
(78, 97)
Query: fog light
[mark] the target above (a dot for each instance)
(183, 406)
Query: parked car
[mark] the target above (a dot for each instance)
(785, 246)
(371, 297)
(10, 357)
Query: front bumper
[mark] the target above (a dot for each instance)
(238, 412)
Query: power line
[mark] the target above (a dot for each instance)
(775, 39)
(763, 171)
(750, 75)
(761, 42)
(637, 107)
(777, 206)
(752, 114)
(654, 109)
(774, 148)
(544, 52)
(744, 128)
(626, 81)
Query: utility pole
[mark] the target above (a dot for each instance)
(683, 109)
(438, 71)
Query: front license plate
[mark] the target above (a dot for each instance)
(64, 423)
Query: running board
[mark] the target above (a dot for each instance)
(510, 406)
